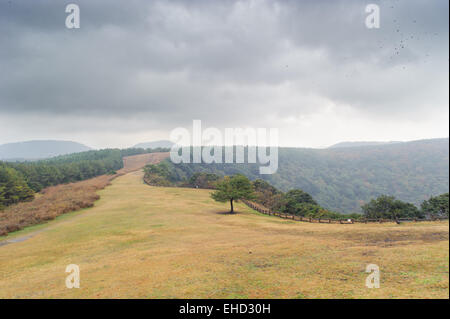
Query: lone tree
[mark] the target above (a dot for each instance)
(233, 188)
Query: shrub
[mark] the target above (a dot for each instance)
(390, 208)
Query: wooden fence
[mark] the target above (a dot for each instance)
(263, 210)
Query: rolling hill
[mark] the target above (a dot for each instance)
(139, 241)
(32, 150)
(342, 179)
(358, 144)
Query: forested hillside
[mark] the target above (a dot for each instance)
(343, 179)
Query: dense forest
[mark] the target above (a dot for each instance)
(20, 180)
(296, 201)
(344, 179)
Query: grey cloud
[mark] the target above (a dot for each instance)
(229, 62)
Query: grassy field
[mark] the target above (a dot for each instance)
(147, 242)
(62, 199)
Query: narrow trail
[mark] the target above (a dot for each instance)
(18, 239)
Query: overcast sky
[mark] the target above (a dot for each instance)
(135, 70)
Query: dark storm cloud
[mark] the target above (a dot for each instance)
(168, 62)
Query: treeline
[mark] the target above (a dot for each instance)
(296, 201)
(293, 202)
(391, 208)
(69, 168)
(20, 180)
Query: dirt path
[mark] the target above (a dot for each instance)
(18, 239)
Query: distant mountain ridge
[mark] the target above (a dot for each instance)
(39, 149)
(362, 143)
(155, 144)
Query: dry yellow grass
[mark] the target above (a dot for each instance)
(148, 242)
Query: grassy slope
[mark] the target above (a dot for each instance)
(147, 242)
(61, 199)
